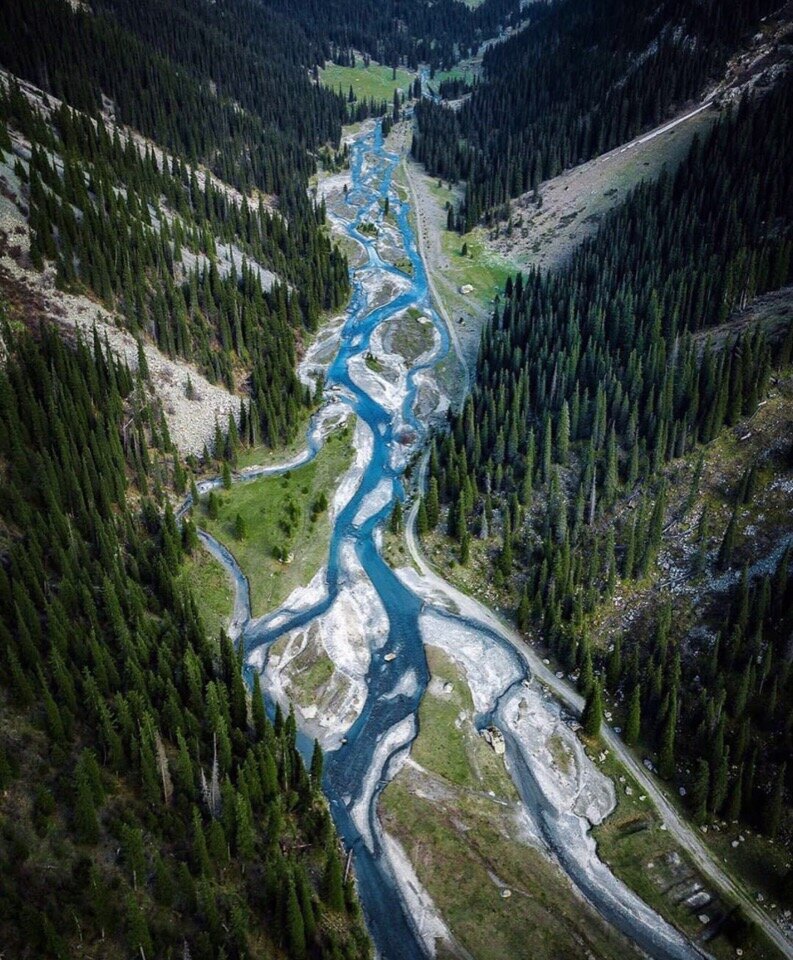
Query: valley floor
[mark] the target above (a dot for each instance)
(485, 885)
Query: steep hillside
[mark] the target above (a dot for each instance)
(580, 79)
(542, 227)
(167, 219)
(436, 32)
(147, 807)
(625, 455)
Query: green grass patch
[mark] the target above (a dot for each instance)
(262, 456)
(394, 551)
(465, 852)
(279, 513)
(651, 862)
(467, 70)
(211, 587)
(309, 671)
(352, 249)
(316, 676)
(479, 267)
(448, 744)
(441, 743)
(372, 82)
(486, 272)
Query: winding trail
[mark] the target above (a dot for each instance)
(378, 741)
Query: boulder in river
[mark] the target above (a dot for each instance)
(495, 738)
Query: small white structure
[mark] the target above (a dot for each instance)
(466, 288)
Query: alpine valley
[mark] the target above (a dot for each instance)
(396, 479)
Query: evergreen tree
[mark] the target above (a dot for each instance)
(727, 547)
(699, 791)
(666, 764)
(86, 823)
(316, 764)
(422, 521)
(295, 930)
(433, 505)
(772, 812)
(395, 522)
(592, 715)
(333, 880)
(633, 722)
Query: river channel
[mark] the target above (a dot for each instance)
(357, 771)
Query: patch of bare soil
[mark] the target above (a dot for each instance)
(543, 230)
(33, 298)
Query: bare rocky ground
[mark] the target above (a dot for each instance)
(322, 667)
(765, 524)
(43, 101)
(544, 232)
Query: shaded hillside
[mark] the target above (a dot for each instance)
(592, 384)
(148, 807)
(399, 31)
(582, 78)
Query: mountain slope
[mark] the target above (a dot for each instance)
(601, 461)
(580, 79)
(126, 197)
(148, 807)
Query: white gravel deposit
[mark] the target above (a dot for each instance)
(421, 908)
(406, 686)
(556, 757)
(374, 502)
(363, 444)
(489, 668)
(390, 752)
(354, 625)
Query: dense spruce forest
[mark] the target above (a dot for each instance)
(143, 232)
(586, 77)
(590, 381)
(410, 32)
(163, 60)
(148, 805)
